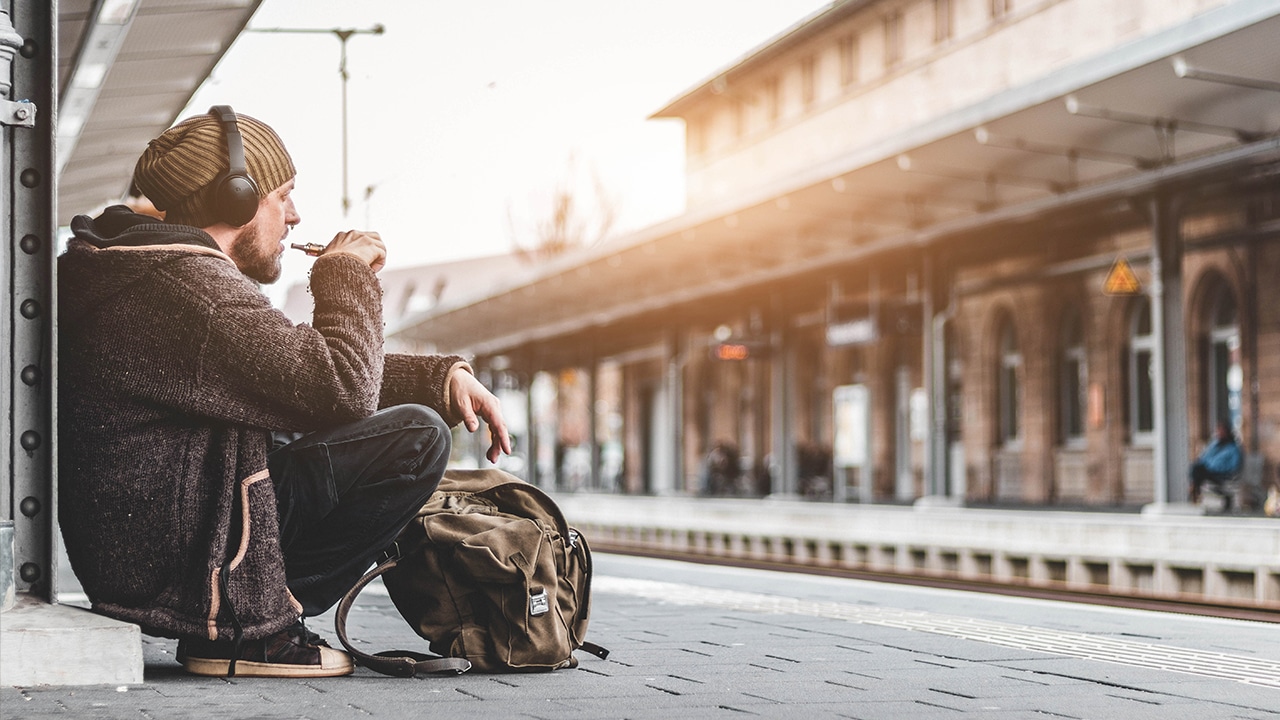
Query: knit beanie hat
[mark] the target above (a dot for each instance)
(177, 169)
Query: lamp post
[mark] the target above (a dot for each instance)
(343, 35)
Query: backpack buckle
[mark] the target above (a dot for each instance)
(392, 552)
(538, 602)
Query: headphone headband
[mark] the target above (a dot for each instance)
(235, 194)
(235, 143)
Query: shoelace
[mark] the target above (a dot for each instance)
(300, 631)
(238, 639)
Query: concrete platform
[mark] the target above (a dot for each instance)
(694, 641)
(43, 644)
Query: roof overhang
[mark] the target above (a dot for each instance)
(126, 70)
(1186, 106)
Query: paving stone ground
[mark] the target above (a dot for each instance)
(692, 641)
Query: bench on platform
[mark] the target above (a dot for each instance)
(1244, 489)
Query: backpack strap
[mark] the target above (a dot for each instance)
(398, 663)
(594, 649)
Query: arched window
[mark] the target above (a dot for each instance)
(1141, 384)
(1073, 378)
(1008, 391)
(1223, 377)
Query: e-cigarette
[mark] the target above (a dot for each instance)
(311, 249)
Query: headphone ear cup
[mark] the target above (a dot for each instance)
(236, 199)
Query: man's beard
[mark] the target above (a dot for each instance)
(258, 262)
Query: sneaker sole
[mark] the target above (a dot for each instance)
(333, 664)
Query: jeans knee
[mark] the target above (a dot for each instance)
(433, 432)
(413, 414)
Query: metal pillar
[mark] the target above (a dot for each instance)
(531, 473)
(44, 643)
(29, 309)
(1169, 365)
(593, 428)
(934, 482)
(782, 467)
(675, 410)
(343, 35)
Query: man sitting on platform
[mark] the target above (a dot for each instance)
(1219, 462)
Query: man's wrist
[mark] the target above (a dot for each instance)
(459, 365)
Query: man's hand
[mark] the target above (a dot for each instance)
(472, 400)
(367, 246)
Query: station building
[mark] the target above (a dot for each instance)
(1010, 252)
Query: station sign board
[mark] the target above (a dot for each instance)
(851, 323)
(738, 350)
(859, 331)
(857, 323)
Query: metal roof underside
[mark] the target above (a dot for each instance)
(1128, 117)
(167, 50)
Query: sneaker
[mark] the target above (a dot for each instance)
(294, 652)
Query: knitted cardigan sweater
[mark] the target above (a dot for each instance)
(173, 370)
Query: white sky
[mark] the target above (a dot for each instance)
(465, 115)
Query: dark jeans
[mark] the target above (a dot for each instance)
(344, 494)
(1200, 476)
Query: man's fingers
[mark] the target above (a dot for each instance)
(493, 415)
(499, 438)
(503, 438)
(474, 402)
(368, 246)
(468, 414)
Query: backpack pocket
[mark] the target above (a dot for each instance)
(514, 567)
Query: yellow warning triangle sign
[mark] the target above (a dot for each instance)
(1121, 280)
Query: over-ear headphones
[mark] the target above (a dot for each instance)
(234, 194)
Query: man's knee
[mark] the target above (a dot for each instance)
(434, 434)
(413, 414)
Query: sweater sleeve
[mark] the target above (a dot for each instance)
(421, 379)
(253, 366)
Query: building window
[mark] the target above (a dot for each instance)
(1223, 377)
(942, 20)
(1141, 383)
(1000, 8)
(1008, 389)
(808, 81)
(893, 39)
(848, 46)
(1072, 381)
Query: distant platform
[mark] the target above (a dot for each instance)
(1172, 551)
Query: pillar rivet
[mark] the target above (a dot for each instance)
(30, 244)
(30, 309)
(30, 572)
(30, 375)
(30, 440)
(30, 506)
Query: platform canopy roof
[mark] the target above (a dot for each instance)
(126, 70)
(1197, 103)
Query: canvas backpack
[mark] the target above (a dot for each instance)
(491, 575)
